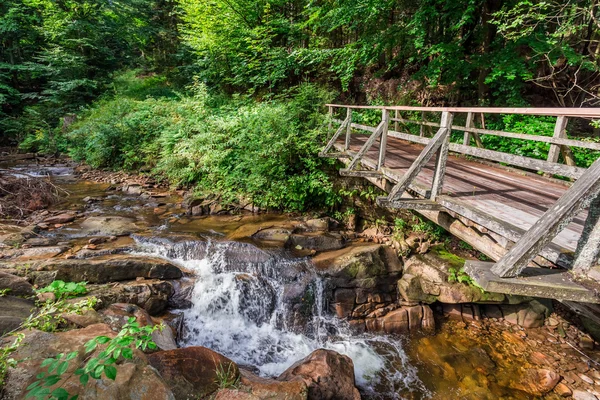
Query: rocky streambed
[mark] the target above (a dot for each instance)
(274, 306)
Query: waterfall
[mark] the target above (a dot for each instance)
(267, 310)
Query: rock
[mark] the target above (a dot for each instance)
(15, 285)
(528, 315)
(318, 224)
(108, 226)
(395, 321)
(264, 388)
(134, 380)
(273, 235)
(152, 295)
(98, 240)
(327, 374)
(105, 269)
(235, 394)
(536, 381)
(90, 317)
(13, 311)
(562, 390)
(61, 218)
(583, 395)
(193, 372)
(38, 253)
(117, 315)
(40, 242)
(315, 241)
(585, 342)
(132, 189)
(182, 293)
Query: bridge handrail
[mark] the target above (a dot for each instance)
(540, 111)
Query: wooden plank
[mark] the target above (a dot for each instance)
(546, 111)
(410, 204)
(588, 247)
(361, 174)
(535, 282)
(552, 252)
(442, 156)
(578, 197)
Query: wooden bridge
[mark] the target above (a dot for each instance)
(542, 232)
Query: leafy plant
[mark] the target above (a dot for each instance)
(461, 276)
(92, 366)
(6, 361)
(49, 317)
(227, 378)
(65, 290)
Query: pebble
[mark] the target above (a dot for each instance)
(586, 379)
(563, 390)
(583, 395)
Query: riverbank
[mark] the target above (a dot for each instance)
(407, 306)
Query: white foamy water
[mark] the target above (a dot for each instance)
(264, 310)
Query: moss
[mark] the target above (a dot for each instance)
(453, 260)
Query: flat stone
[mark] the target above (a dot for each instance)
(108, 226)
(61, 218)
(534, 282)
(563, 390)
(583, 395)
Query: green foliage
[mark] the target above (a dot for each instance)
(92, 364)
(6, 361)
(421, 225)
(49, 317)
(227, 377)
(65, 290)
(461, 276)
(265, 152)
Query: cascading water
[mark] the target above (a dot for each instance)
(267, 310)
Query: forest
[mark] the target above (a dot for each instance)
(227, 95)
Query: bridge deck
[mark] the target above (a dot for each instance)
(518, 199)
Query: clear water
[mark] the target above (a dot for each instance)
(245, 305)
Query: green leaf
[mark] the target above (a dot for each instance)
(102, 339)
(62, 368)
(110, 371)
(127, 353)
(60, 394)
(83, 379)
(33, 385)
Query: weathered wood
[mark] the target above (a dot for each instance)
(588, 247)
(334, 138)
(467, 135)
(348, 128)
(442, 157)
(536, 282)
(546, 111)
(551, 252)
(385, 120)
(422, 127)
(559, 132)
(366, 146)
(410, 204)
(578, 197)
(519, 161)
(361, 174)
(433, 146)
(396, 116)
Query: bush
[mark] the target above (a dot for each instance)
(265, 152)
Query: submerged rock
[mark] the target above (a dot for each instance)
(194, 372)
(108, 226)
(134, 379)
(327, 374)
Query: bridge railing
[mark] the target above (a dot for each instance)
(559, 142)
(583, 193)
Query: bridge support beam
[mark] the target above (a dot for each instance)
(588, 247)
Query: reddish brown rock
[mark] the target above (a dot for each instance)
(327, 374)
(537, 381)
(267, 389)
(61, 218)
(192, 372)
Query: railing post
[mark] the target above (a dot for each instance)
(442, 156)
(467, 138)
(348, 128)
(422, 128)
(396, 117)
(330, 127)
(385, 120)
(559, 132)
(588, 247)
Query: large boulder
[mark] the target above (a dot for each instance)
(134, 380)
(434, 277)
(105, 269)
(253, 387)
(327, 374)
(317, 241)
(108, 226)
(360, 278)
(13, 311)
(194, 372)
(152, 295)
(15, 285)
